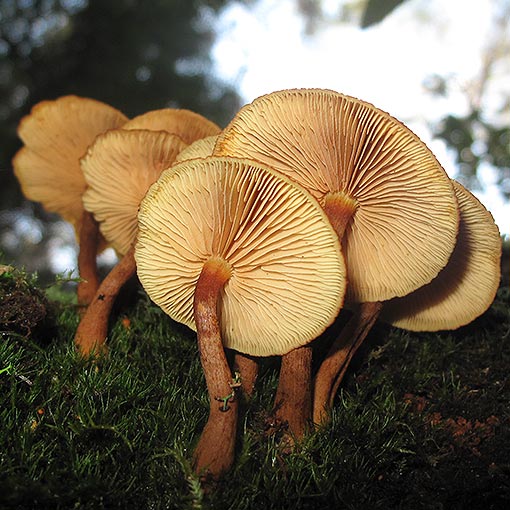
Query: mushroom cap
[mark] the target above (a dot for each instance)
(119, 168)
(288, 273)
(56, 135)
(466, 286)
(201, 148)
(190, 126)
(405, 222)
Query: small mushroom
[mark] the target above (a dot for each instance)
(390, 202)
(119, 168)
(247, 259)
(56, 135)
(201, 148)
(189, 125)
(466, 286)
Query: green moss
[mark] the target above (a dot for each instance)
(422, 422)
(24, 309)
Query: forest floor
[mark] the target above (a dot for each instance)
(422, 420)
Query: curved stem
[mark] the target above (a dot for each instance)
(93, 328)
(87, 263)
(293, 401)
(214, 453)
(334, 366)
(248, 368)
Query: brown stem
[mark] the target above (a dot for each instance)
(93, 328)
(248, 369)
(214, 454)
(293, 401)
(87, 264)
(334, 366)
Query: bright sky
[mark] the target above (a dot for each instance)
(263, 48)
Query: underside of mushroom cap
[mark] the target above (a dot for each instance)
(466, 286)
(202, 148)
(405, 218)
(56, 135)
(119, 168)
(188, 125)
(287, 272)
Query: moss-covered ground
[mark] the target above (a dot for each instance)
(422, 420)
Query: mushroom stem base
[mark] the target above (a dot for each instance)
(214, 454)
(334, 366)
(293, 401)
(92, 331)
(87, 264)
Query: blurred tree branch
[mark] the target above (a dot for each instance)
(474, 138)
(136, 55)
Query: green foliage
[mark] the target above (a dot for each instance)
(376, 10)
(423, 422)
(474, 142)
(135, 55)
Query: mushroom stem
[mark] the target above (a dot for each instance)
(214, 453)
(87, 264)
(369, 313)
(293, 401)
(248, 368)
(339, 209)
(93, 328)
(341, 352)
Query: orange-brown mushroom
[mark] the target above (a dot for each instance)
(247, 259)
(56, 135)
(201, 148)
(466, 286)
(390, 202)
(462, 290)
(188, 125)
(244, 364)
(119, 168)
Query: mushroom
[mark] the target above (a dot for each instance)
(245, 365)
(201, 148)
(56, 135)
(233, 250)
(119, 168)
(190, 126)
(466, 286)
(390, 202)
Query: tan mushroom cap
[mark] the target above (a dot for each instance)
(202, 148)
(190, 126)
(288, 274)
(467, 285)
(405, 222)
(56, 135)
(119, 168)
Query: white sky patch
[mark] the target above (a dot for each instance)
(263, 48)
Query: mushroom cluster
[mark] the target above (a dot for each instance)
(393, 207)
(56, 134)
(259, 235)
(249, 260)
